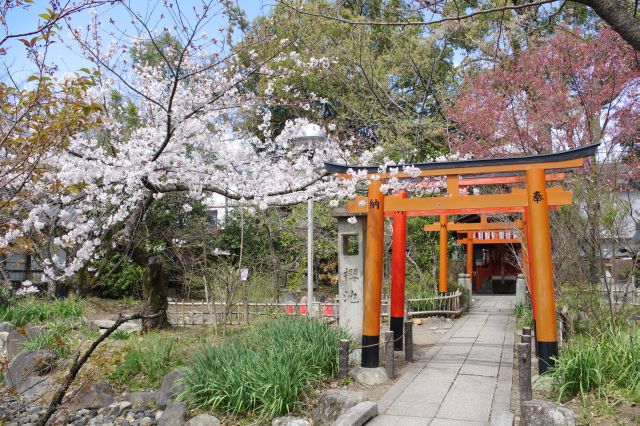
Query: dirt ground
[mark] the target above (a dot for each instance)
(108, 309)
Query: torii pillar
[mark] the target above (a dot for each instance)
(470, 261)
(398, 269)
(541, 269)
(443, 274)
(372, 292)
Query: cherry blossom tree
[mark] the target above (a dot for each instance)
(190, 106)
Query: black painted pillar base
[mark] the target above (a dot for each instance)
(396, 324)
(370, 351)
(547, 352)
(535, 338)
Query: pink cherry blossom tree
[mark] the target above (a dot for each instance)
(570, 90)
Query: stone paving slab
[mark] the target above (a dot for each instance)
(465, 379)
(387, 420)
(468, 399)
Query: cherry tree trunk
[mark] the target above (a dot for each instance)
(154, 292)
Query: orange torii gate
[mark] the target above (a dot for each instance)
(535, 199)
(471, 228)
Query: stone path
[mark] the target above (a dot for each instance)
(465, 379)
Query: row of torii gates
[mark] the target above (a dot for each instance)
(532, 202)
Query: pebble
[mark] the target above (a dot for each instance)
(14, 412)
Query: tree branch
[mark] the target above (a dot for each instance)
(456, 18)
(79, 361)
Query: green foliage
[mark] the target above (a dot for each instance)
(31, 309)
(384, 84)
(424, 305)
(124, 279)
(266, 371)
(601, 362)
(524, 315)
(146, 360)
(120, 335)
(53, 337)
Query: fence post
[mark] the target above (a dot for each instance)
(408, 341)
(388, 354)
(524, 371)
(344, 359)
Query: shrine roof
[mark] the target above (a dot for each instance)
(558, 157)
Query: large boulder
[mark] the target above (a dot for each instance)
(332, 404)
(203, 420)
(27, 364)
(545, 413)
(171, 387)
(369, 376)
(92, 396)
(15, 339)
(174, 415)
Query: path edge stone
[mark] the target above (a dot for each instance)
(357, 415)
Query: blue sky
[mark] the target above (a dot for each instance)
(70, 59)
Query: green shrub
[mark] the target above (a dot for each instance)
(265, 371)
(599, 362)
(32, 309)
(146, 360)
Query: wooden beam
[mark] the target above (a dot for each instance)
(506, 168)
(491, 226)
(472, 203)
(475, 241)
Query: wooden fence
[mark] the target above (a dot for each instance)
(447, 304)
(191, 313)
(183, 313)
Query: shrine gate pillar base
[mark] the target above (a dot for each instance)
(373, 276)
(541, 269)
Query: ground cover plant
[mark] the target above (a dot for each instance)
(524, 315)
(266, 371)
(31, 309)
(601, 362)
(145, 361)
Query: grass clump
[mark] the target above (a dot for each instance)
(266, 370)
(21, 312)
(54, 337)
(424, 305)
(145, 361)
(524, 315)
(602, 362)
